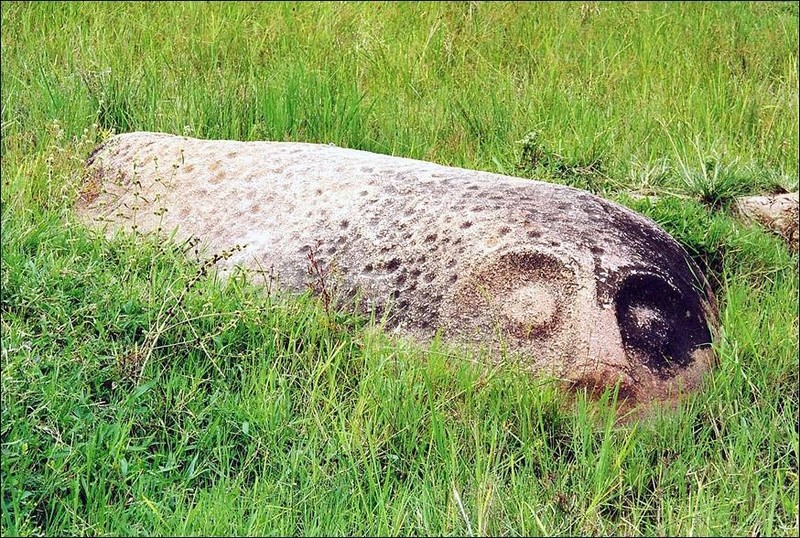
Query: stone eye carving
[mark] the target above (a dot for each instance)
(659, 327)
(533, 309)
(528, 295)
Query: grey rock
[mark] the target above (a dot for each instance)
(572, 285)
(777, 212)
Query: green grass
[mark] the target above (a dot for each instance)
(140, 397)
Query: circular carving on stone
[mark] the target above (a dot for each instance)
(659, 327)
(529, 295)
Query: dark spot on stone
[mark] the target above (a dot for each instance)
(478, 209)
(368, 268)
(422, 259)
(344, 224)
(431, 238)
(451, 263)
(395, 294)
(393, 264)
(534, 234)
(504, 230)
(407, 236)
(331, 250)
(341, 240)
(363, 193)
(465, 225)
(366, 169)
(596, 250)
(659, 327)
(554, 243)
(473, 188)
(452, 278)
(415, 273)
(401, 279)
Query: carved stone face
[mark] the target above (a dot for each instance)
(632, 326)
(573, 285)
(602, 295)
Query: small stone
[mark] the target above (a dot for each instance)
(778, 213)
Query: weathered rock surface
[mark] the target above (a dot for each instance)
(573, 285)
(777, 212)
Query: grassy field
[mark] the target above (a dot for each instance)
(140, 397)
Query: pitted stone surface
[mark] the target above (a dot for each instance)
(777, 212)
(574, 285)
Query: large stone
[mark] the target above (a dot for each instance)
(572, 285)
